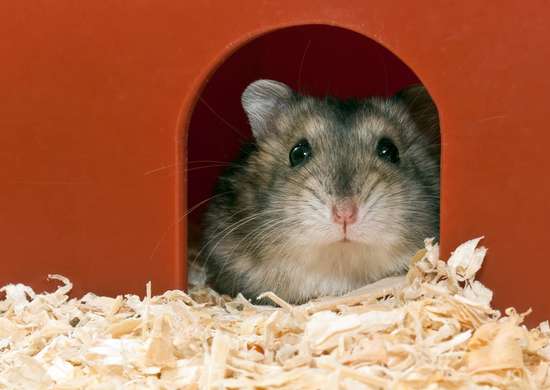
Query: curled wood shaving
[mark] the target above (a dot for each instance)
(433, 328)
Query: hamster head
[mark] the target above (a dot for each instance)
(331, 195)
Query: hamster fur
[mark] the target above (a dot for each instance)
(320, 202)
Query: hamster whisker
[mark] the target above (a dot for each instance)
(218, 228)
(209, 161)
(254, 235)
(230, 229)
(233, 128)
(264, 234)
(190, 168)
(228, 258)
(180, 219)
(161, 169)
(302, 185)
(313, 192)
(369, 194)
(206, 167)
(302, 61)
(260, 230)
(217, 231)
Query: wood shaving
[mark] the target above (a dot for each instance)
(433, 328)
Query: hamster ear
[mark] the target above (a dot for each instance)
(422, 109)
(261, 100)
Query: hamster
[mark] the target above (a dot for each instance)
(329, 196)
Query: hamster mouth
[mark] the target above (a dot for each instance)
(346, 240)
(346, 236)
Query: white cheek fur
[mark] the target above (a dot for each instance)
(314, 263)
(377, 224)
(307, 272)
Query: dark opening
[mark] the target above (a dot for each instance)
(316, 59)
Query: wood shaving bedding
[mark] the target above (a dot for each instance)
(431, 329)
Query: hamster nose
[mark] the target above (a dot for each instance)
(344, 213)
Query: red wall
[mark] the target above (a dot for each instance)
(96, 96)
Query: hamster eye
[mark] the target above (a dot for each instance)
(300, 153)
(387, 150)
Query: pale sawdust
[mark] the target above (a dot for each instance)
(433, 328)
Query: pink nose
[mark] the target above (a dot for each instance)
(344, 213)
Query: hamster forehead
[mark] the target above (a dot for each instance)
(343, 138)
(331, 124)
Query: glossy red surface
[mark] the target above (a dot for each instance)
(96, 96)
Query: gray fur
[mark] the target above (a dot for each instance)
(262, 100)
(270, 229)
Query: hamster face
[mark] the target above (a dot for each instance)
(332, 194)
